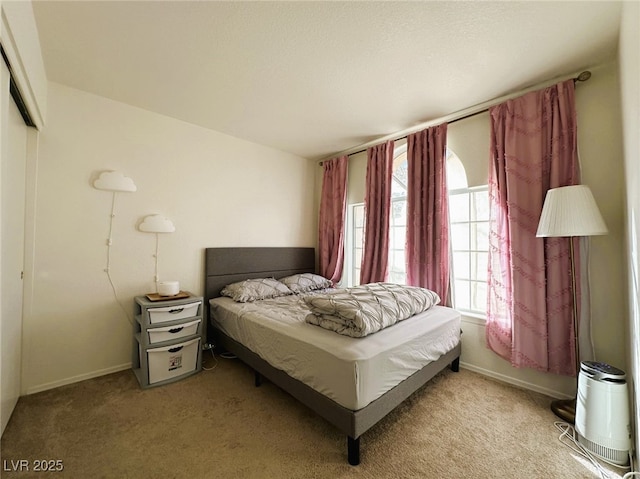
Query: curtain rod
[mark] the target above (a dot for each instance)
(583, 76)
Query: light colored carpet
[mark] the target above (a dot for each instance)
(216, 424)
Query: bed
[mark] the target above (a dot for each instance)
(352, 398)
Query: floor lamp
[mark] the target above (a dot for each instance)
(570, 211)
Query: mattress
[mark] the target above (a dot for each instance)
(351, 371)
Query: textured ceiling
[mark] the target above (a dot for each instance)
(315, 78)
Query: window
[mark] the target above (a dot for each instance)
(397, 226)
(469, 227)
(356, 218)
(469, 237)
(398, 218)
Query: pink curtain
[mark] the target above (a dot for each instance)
(427, 247)
(533, 149)
(377, 204)
(332, 218)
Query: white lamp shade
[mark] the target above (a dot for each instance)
(570, 211)
(156, 224)
(114, 181)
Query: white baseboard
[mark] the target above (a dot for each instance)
(76, 379)
(516, 382)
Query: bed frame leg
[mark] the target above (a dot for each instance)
(258, 379)
(455, 365)
(353, 450)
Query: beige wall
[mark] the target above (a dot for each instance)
(598, 109)
(217, 190)
(600, 146)
(630, 94)
(356, 176)
(470, 140)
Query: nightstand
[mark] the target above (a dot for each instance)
(167, 339)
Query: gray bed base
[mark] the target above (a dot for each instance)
(227, 265)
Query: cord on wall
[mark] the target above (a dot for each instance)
(115, 182)
(108, 268)
(110, 238)
(156, 224)
(156, 277)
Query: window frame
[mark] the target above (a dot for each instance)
(481, 314)
(354, 266)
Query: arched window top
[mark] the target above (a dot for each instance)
(400, 175)
(456, 174)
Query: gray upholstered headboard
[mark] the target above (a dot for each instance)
(228, 265)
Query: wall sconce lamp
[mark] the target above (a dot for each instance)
(156, 224)
(115, 182)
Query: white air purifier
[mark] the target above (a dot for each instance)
(602, 412)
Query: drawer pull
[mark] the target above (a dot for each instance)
(175, 350)
(177, 310)
(175, 330)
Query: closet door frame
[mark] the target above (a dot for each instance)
(18, 169)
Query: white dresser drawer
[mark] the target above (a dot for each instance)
(172, 361)
(168, 333)
(173, 313)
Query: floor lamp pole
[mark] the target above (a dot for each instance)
(570, 212)
(565, 409)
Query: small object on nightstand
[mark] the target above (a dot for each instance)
(158, 297)
(168, 288)
(167, 337)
